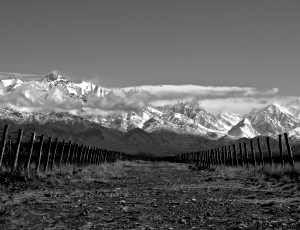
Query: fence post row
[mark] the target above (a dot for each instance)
(86, 155)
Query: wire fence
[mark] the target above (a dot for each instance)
(41, 153)
(256, 151)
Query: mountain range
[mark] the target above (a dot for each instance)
(156, 130)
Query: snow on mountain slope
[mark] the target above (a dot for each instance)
(62, 125)
(74, 89)
(126, 121)
(273, 119)
(182, 118)
(229, 119)
(243, 129)
(11, 83)
(295, 111)
(192, 110)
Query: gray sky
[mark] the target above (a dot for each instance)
(253, 43)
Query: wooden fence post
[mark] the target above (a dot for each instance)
(3, 143)
(226, 155)
(230, 155)
(54, 153)
(219, 156)
(246, 154)
(253, 153)
(194, 158)
(96, 155)
(200, 157)
(211, 153)
(270, 151)
(69, 151)
(241, 154)
(75, 153)
(48, 152)
(40, 151)
(81, 157)
(280, 150)
(85, 157)
(235, 155)
(289, 149)
(208, 158)
(91, 160)
(61, 153)
(18, 149)
(97, 160)
(260, 152)
(90, 157)
(32, 140)
(223, 156)
(215, 156)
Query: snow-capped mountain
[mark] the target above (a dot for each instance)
(273, 119)
(74, 89)
(229, 119)
(165, 125)
(126, 121)
(243, 129)
(11, 83)
(295, 111)
(193, 111)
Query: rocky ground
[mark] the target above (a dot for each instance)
(150, 196)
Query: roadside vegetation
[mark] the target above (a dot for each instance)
(276, 172)
(65, 174)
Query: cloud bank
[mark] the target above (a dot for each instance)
(21, 76)
(36, 96)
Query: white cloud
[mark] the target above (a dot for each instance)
(21, 76)
(33, 95)
(242, 105)
(163, 92)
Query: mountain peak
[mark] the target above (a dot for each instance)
(54, 77)
(274, 109)
(243, 129)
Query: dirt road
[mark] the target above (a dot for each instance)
(151, 196)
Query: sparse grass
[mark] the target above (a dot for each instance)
(276, 172)
(67, 173)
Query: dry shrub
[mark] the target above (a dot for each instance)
(267, 172)
(74, 173)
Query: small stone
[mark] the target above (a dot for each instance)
(182, 221)
(84, 213)
(194, 200)
(208, 214)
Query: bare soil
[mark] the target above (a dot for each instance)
(150, 196)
